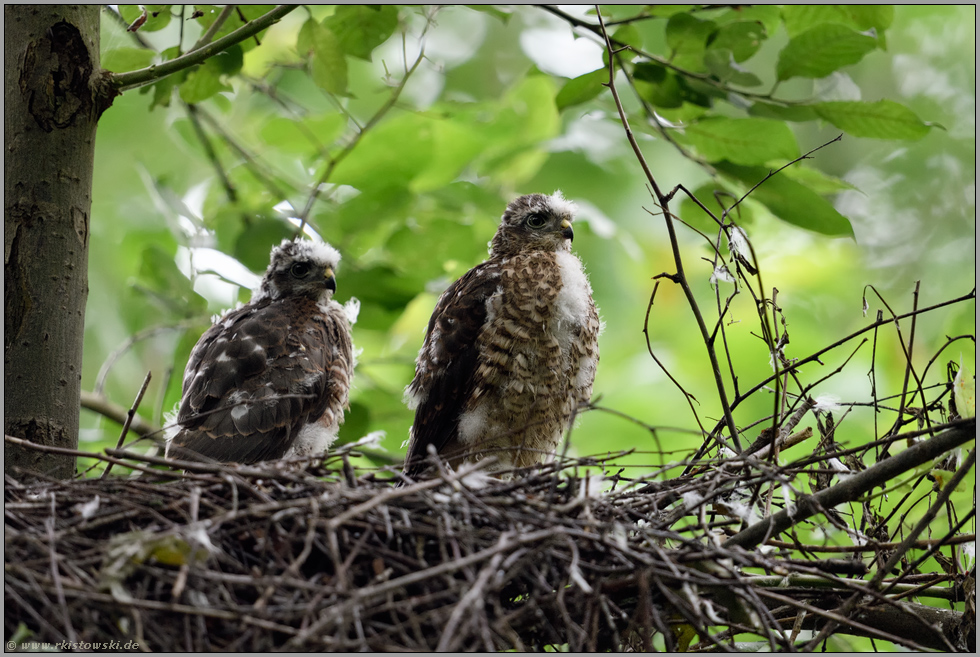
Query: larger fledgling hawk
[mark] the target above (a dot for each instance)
(271, 378)
(511, 349)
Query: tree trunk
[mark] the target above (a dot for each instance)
(51, 108)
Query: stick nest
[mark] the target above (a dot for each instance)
(312, 557)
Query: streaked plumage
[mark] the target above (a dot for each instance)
(511, 349)
(271, 379)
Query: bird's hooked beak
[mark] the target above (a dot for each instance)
(330, 280)
(566, 229)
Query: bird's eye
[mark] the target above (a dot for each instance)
(300, 269)
(536, 221)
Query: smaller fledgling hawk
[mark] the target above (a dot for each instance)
(271, 378)
(511, 349)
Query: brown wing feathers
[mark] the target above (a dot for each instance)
(255, 381)
(447, 363)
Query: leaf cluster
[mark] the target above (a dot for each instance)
(699, 82)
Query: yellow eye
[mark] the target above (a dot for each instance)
(536, 221)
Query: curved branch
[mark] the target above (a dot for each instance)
(150, 74)
(680, 277)
(854, 487)
(99, 404)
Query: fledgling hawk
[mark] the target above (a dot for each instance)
(511, 349)
(271, 378)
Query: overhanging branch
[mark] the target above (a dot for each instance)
(150, 74)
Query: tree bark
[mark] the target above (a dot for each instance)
(54, 92)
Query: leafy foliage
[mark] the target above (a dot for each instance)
(404, 161)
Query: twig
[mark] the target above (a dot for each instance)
(854, 487)
(900, 553)
(210, 153)
(150, 74)
(348, 149)
(215, 26)
(679, 277)
(816, 356)
(129, 420)
(49, 524)
(99, 404)
(472, 597)
(52, 449)
(873, 546)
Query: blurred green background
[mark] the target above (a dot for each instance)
(414, 203)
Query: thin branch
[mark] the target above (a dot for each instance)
(100, 404)
(209, 151)
(899, 554)
(129, 420)
(680, 276)
(600, 32)
(336, 160)
(816, 356)
(150, 74)
(855, 486)
(215, 26)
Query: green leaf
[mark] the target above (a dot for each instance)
(162, 91)
(424, 249)
(328, 66)
(667, 90)
(721, 64)
(699, 93)
(533, 102)
(817, 181)
(581, 89)
(362, 28)
(304, 38)
(157, 16)
(820, 51)
(800, 18)
(658, 86)
(768, 15)
(161, 280)
(884, 119)
(743, 141)
(228, 61)
(686, 37)
(629, 35)
(120, 60)
(302, 136)
(742, 39)
(876, 17)
(390, 154)
(201, 83)
(381, 286)
(455, 145)
(650, 72)
(524, 118)
(686, 113)
(790, 201)
(255, 242)
(500, 14)
(797, 113)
